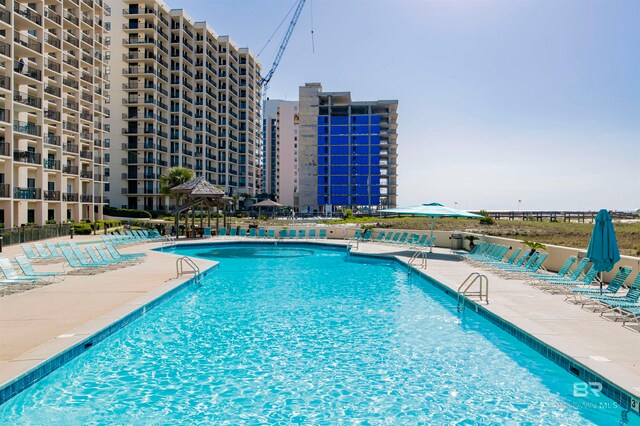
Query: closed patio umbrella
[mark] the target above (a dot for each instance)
(603, 247)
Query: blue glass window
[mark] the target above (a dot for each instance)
(360, 160)
(361, 130)
(339, 149)
(323, 180)
(375, 159)
(322, 190)
(375, 180)
(375, 170)
(323, 160)
(362, 190)
(375, 129)
(375, 149)
(339, 190)
(360, 119)
(323, 130)
(362, 200)
(323, 140)
(362, 149)
(375, 201)
(360, 140)
(322, 200)
(323, 149)
(323, 119)
(375, 119)
(362, 170)
(339, 130)
(375, 190)
(339, 140)
(323, 170)
(339, 170)
(375, 140)
(337, 119)
(339, 160)
(340, 200)
(362, 180)
(339, 180)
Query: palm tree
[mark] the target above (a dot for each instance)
(176, 176)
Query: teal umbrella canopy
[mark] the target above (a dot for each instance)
(430, 210)
(603, 247)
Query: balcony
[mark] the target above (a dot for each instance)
(69, 147)
(86, 174)
(86, 198)
(51, 164)
(27, 157)
(27, 99)
(28, 72)
(28, 128)
(52, 139)
(52, 195)
(72, 170)
(5, 190)
(86, 154)
(27, 42)
(5, 115)
(70, 196)
(27, 193)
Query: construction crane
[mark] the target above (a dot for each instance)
(264, 81)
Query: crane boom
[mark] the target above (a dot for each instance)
(283, 45)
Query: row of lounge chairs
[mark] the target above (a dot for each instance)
(399, 238)
(290, 234)
(90, 259)
(134, 237)
(575, 279)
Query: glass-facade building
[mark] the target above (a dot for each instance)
(349, 160)
(347, 152)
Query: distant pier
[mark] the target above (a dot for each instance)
(553, 215)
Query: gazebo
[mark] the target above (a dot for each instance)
(201, 194)
(268, 204)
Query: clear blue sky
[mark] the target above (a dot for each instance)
(498, 100)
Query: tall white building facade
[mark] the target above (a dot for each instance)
(280, 163)
(52, 110)
(181, 96)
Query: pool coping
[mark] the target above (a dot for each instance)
(626, 400)
(13, 387)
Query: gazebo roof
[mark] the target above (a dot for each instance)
(199, 187)
(267, 203)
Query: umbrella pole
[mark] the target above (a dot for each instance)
(433, 225)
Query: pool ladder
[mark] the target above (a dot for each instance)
(464, 290)
(193, 268)
(419, 255)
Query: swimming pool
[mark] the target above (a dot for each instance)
(305, 334)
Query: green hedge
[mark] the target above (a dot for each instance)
(82, 228)
(113, 211)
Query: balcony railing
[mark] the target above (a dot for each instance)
(72, 170)
(28, 13)
(5, 115)
(52, 195)
(27, 193)
(5, 190)
(52, 139)
(27, 99)
(27, 42)
(27, 157)
(28, 71)
(69, 196)
(26, 127)
(86, 154)
(88, 174)
(86, 198)
(51, 164)
(69, 147)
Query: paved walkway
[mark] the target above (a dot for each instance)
(39, 323)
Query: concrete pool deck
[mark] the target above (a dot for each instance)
(37, 324)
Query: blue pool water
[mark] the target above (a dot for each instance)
(309, 335)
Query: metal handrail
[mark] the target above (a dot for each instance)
(422, 254)
(483, 291)
(195, 270)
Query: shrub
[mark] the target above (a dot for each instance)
(113, 211)
(347, 214)
(51, 222)
(82, 228)
(486, 219)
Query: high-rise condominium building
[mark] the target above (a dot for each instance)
(347, 152)
(52, 110)
(181, 96)
(280, 163)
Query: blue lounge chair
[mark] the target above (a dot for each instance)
(233, 231)
(323, 234)
(206, 232)
(252, 232)
(114, 253)
(282, 234)
(580, 293)
(271, 233)
(629, 300)
(292, 234)
(29, 271)
(242, 232)
(32, 255)
(261, 233)
(312, 234)
(564, 287)
(544, 281)
(222, 232)
(389, 237)
(302, 234)
(12, 275)
(380, 236)
(564, 269)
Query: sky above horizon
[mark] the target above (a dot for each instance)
(499, 101)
